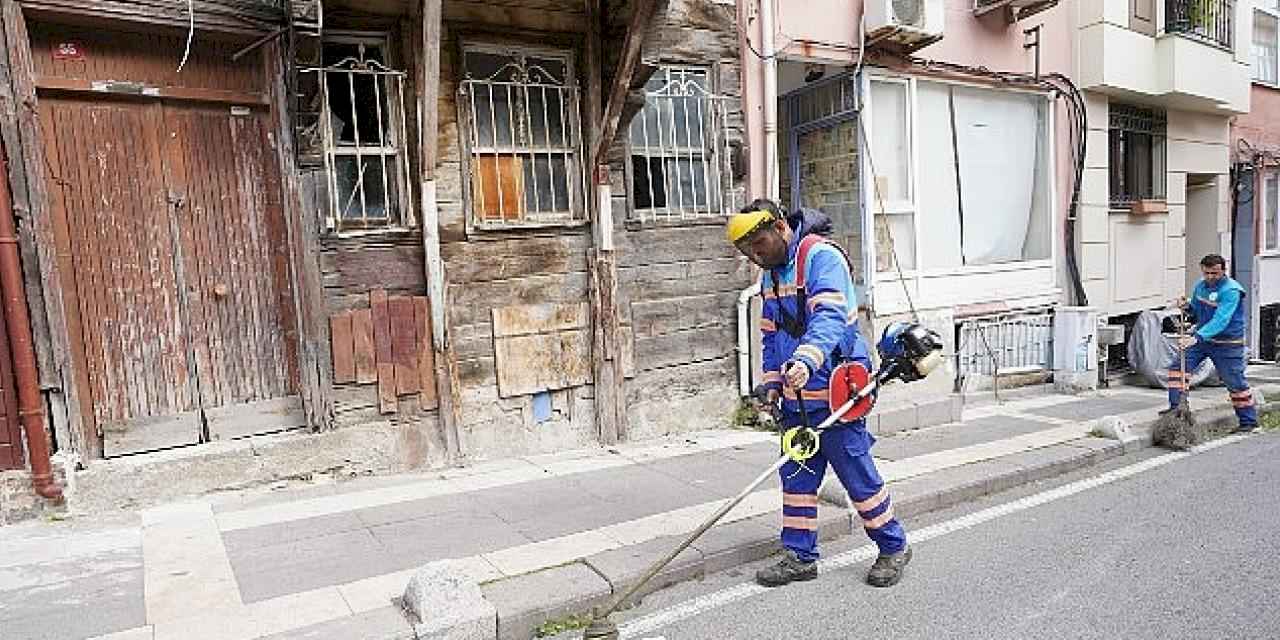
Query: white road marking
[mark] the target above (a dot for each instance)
(665, 618)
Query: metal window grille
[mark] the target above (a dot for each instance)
(1136, 148)
(522, 110)
(1213, 21)
(1008, 343)
(680, 149)
(363, 125)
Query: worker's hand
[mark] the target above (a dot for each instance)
(766, 395)
(797, 374)
(1187, 341)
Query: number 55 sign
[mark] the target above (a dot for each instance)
(68, 51)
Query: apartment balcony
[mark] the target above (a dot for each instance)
(1191, 55)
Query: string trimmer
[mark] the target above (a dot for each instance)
(908, 352)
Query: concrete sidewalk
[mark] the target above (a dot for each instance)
(547, 536)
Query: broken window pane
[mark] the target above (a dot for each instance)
(362, 126)
(677, 152)
(360, 193)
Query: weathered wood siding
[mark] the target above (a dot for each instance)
(677, 285)
(680, 284)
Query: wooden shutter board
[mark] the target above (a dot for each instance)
(342, 339)
(362, 343)
(404, 345)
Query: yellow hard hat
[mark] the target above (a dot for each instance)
(742, 225)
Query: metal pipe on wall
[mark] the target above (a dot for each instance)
(18, 325)
(772, 180)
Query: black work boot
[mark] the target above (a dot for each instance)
(789, 569)
(887, 570)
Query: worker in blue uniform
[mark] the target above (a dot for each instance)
(810, 325)
(1217, 307)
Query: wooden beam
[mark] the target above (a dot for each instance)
(446, 364)
(77, 85)
(602, 262)
(85, 437)
(12, 140)
(627, 63)
(302, 233)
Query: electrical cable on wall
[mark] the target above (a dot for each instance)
(191, 33)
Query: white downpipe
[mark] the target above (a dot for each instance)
(772, 184)
(744, 338)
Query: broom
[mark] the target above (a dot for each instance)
(1176, 429)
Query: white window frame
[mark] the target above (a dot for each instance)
(873, 198)
(712, 153)
(573, 148)
(1263, 225)
(393, 153)
(1272, 12)
(915, 276)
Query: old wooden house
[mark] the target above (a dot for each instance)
(486, 227)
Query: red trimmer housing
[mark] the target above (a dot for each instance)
(846, 380)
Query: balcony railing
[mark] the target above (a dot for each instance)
(1212, 21)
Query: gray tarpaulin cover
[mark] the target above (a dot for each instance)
(1150, 352)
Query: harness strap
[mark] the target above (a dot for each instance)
(795, 325)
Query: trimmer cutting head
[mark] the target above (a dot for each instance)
(601, 629)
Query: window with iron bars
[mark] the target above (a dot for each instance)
(363, 126)
(519, 107)
(679, 148)
(1136, 150)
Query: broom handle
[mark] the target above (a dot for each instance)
(1182, 354)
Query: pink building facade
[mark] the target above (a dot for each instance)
(951, 187)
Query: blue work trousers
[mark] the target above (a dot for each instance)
(848, 450)
(1229, 360)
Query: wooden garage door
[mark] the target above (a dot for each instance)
(168, 220)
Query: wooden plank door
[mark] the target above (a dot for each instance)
(111, 215)
(234, 263)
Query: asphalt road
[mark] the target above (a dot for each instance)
(1186, 550)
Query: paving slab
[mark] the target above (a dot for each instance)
(275, 570)
(757, 456)
(717, 473)
(414, 509)
(450, 535)
(387, 623)
(1094, 408)
(953, 436)
(293, 530)
(526, 601)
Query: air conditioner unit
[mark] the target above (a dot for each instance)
(1014, 10)
(908, 24)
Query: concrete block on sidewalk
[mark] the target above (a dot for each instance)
(725, 546)
(624, 567)
(900, 419)
(525, 602)
(447, 604)
(1098, 449)
(1049, 462)
(933, 413)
